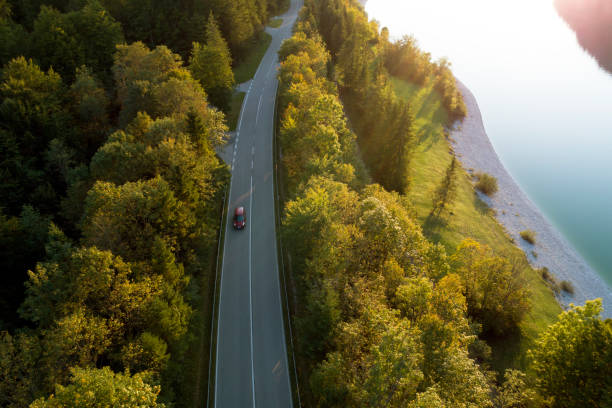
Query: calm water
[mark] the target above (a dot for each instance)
(545, 102)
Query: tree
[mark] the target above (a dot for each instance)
(127, 219)
(75, 340)
(572, 359)
(5, 10)
(32, 114)
(22, 241)
(446, 191)
(516, 392)
(84, 37)
(413, 297)
(19, 369)
(90, 105)
(93, 388)
(156, 82)
(211, 65)
(496, 290)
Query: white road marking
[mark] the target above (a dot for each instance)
(250, 291)
(258, 109)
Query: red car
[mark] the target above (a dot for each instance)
(239, 218)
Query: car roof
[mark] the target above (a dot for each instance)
(239, 210)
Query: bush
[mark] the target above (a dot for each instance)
(529, 236)
(567, 287)
(486, 183)
(550, 280)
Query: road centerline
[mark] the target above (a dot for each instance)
(251, 291)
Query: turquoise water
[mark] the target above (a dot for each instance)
(545, 103)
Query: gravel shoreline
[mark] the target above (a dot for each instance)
(516, 212)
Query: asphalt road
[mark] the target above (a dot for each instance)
(251, 358)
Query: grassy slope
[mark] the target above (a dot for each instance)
(246, 69)
(470, 218)
(275, 23)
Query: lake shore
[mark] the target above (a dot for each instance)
(516, 212)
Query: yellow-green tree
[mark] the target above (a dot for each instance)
(573, 358)
(91, 388)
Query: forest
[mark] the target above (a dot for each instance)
(385, 316)
(592, 22)
(111, 193)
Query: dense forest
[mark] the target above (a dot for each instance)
(384, 316)
(592, 22)
(110, 193)
(110, 196)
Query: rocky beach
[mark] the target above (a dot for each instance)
(516, 212)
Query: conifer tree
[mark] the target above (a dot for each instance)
(446, 191)
(401, 140)
(211, 64)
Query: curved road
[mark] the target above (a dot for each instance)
(251, 360)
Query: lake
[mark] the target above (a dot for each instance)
(545, 102)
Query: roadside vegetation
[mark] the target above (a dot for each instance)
(407, 292)
(110, 196)
(245, 70)
(235, 108)
(275, 23)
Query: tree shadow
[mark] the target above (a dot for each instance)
(482, 206)
(433, 225)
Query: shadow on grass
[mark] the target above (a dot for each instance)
(235, 108)
(247, 68)
(481, 206)
(429, 134)
(506, 352)
(433, 226)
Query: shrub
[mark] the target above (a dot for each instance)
(486, 183)
(550, 280)
(567, 286)
(529, 236)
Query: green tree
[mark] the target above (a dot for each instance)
(54, 43)
(22, 241)
(90, 105)
(75, 340)
(572, 359)
(19, 369)
(32, 114)
(413, 296)
(516, 392)
(211, 65)
(156, 82)
(127, 219)
(147, 353)
(101, 387)
(447, 190)
(496, 290)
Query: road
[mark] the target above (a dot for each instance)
(251, 359)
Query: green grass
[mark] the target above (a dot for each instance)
(247, 68)
(235, 107)
(275, 23)
(470, 217)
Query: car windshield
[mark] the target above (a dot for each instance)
(240, 218)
